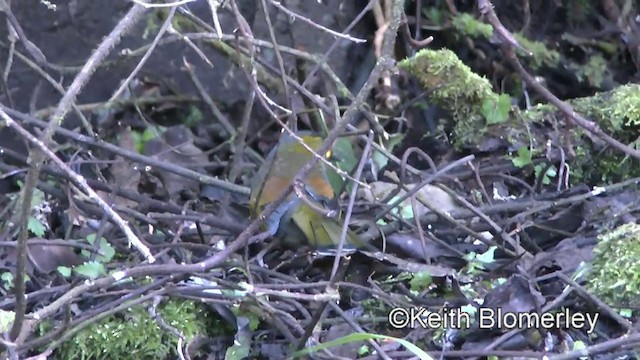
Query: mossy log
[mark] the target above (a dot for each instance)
(486, 122)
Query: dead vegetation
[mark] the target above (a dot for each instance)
(488, 156)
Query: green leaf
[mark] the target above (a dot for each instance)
(242, 342)
(546, 178)
(404, 209)
(254, 319)
(344, 159)
(434, 14)
(627, 313)
(106, 250)
(421, 281)
(469, 309)
(7, 279)
(342, 91)
(37, 199)
(379, 159)
(237, 352)
(36, 227)
(579, 345)
(149, 134)
(141, 139)
(488, 256)
(363, 350)
(137, 141)
(91, 269)
(496, 110)
(6, 320)
(470, 256)
(195, 116)
(64, 271)
(470, 26)
(523, 159)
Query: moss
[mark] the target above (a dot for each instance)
(593, 72)
(617, 110)
(451, 80)
(468, 25)
(541, 55)
(455, 88)
(615, 275)
(465, 95)
(135, 335)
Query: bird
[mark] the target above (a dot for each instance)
(294, 222)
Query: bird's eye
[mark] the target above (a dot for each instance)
(328, 154)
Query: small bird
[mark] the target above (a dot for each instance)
(294, 222)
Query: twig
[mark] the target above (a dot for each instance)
(172, 4)
(145, 57)
(121, 103)
(239, 143)
(624, 323)
(423, 183)
(56, 85)
(208, 36)
(152, 204)
(134, 156)
(352, 199)
(316, 25)
(38, 156)
(323, 60)
(82, 183)
(508, 45)
(266, 102)
(276, 50)
(31, 48)
(214, 5)
(506, 237)
(222, 118)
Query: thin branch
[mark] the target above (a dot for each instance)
(134, 156)
(145, 57)
(38, 157)
(82, 183)
(323, 60)
(283, 73)
(316, 25)
(172, 4)
(508, 46)
(352, 198)
(240, 140)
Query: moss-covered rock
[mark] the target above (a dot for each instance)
(615, 273)
(617, 112)
(134, 334)
(484, 121)
(455, 88)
